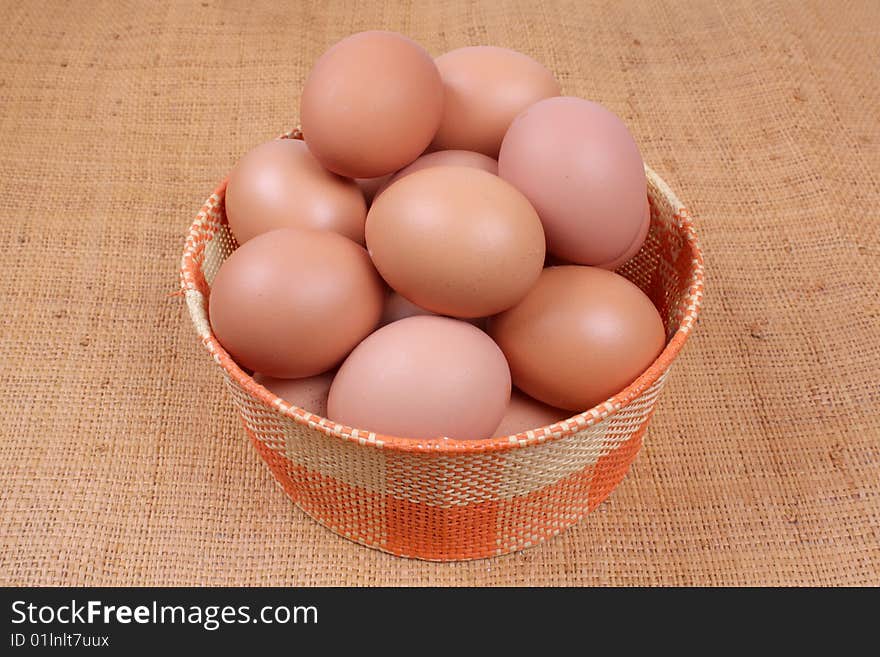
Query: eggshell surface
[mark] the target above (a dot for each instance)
(293, 303)
(580, 167)
(456, 241)
(371, 104)
(581, 335)
(445, 158)
(279, 184)
(398, 307)
(423, 377)
(370, 186)
(309, 393)
(636, 245)
(639, 241)
(524, 413)
(485, 88)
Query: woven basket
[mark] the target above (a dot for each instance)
(446, 499)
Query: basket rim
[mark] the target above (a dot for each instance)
(197, 305)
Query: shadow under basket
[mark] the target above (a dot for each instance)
(446, 499)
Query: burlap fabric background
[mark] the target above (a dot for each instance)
(121, 461)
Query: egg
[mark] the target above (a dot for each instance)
(456, 241)
(445, 158)
(293, 303)
(371, 104)
(581, 335)
(309, 394)
(279, 184)
(423, 377)
(485, 88)
(524, 413)
(581, 168)
(397, 307)
(637, 243)
(369, 186)
(552, 260)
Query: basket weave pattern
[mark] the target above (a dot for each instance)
(450, 499)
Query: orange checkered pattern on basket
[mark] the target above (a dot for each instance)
(452, 499)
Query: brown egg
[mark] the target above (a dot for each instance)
(553, 261)
(636, 245)
(397, 307)
(279, 184)
(524, 413)
(371, 104)
(456, 241)
(445, 158)
(581, 335)
(369, 186)
(485, 87)
(309, 393)
(423, 377)
(293, 303)
(581, 168)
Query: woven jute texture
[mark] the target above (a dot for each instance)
(121, 459)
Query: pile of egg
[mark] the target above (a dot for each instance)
(391, 270)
